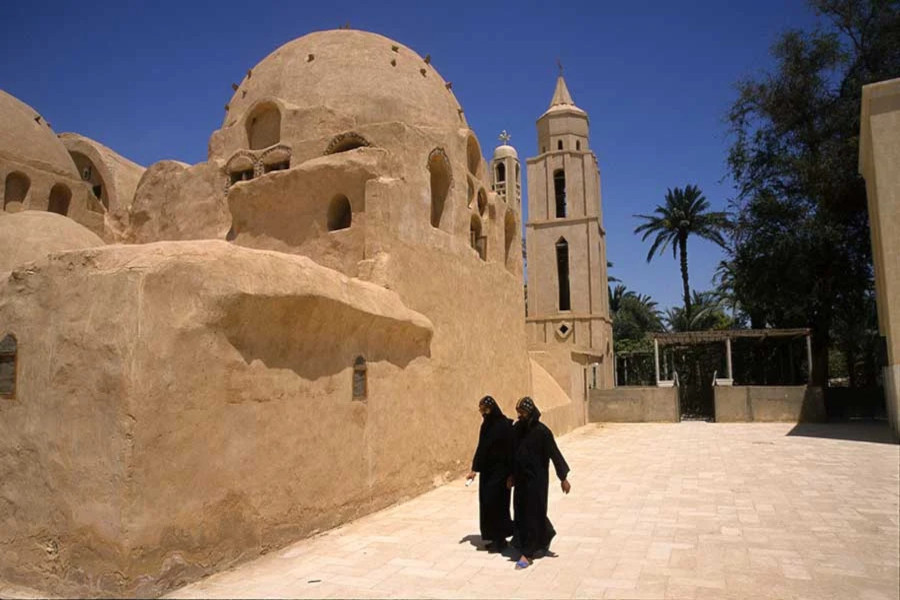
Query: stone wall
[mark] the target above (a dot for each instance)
(769, 403)
(634, 405)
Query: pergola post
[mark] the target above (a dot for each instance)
(728, 357)
(809, 357)
(656, 358)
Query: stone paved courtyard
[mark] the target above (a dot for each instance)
(688, 510)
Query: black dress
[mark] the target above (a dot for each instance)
(493, 461)
(534, 449)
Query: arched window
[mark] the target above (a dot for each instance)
(476, 240)
(60, 196)
(501, 173)
(559, 145)
(578, 144)
(509, 236)
(8, 353)
(264, 126)
(473, 155)
(439, 168)
(360, 379)
(559, 190)
(562, 272)
(17, 185)
(482, 201)
(339, 213)
(345, 142)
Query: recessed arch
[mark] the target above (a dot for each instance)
(509, 236)
(476, 239)
(562, 273)
(473, 155)
(90, 174)
(482, 201)
(501, 172)
(441, 179)
(559, 191)
(345, 142)
(15, 192)
(340, 215)
(9, 350)
(263, 126)
(60, 198)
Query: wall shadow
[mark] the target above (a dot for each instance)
(877, 432)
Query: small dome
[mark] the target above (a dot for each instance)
(25, 138)
(357, 74)
(32, 234)
(505, 151)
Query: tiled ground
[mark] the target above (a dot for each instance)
(689, 510)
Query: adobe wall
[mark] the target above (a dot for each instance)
(879, 155)
(769, 403)
(210, 418)
(634, 405)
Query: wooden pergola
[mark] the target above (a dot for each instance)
(689, 338)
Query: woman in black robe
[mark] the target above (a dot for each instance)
(535, 447)
(493, 460)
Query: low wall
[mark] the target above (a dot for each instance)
(798, 403)
(634, 405)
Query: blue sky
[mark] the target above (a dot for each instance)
(150, 80)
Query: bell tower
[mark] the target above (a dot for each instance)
(568, 306)
(506, 183)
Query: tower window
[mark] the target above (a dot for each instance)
(360, 379)
(578, 144)
(559, 189)
(562, 272)
(8, 351)
(501, 172)
(559, 145)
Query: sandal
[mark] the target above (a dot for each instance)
(522, 563)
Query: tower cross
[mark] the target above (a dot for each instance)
(504, 137)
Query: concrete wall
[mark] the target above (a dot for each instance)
(634, 405)
(879, 155)
(769, 403)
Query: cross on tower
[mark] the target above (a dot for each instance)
(504, 137)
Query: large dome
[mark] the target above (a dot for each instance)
(358, 74)
(27, 139)
(31, 235)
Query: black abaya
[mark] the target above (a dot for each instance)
(493, 461)
(534, 449)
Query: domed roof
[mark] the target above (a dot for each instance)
(27, 139)
(504, 151)
(358, 74)
(32, 234)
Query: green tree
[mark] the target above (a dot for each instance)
(685, 213)
(634, 315)
(707, 313)
(801, 250)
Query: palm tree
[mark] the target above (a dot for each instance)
(685, 213)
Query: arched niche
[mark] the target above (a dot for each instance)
(360, 379)
(340, 214)
(264, 126)
(482, 201)
(15, 191)
(501, 172)
(60, 198)
(440, 180)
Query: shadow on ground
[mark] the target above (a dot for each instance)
(877, 432)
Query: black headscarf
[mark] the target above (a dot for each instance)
(526, 405)
(495, 411)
